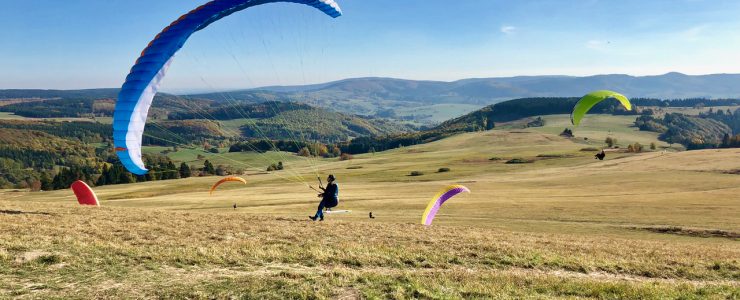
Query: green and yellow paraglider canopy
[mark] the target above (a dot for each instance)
(593, 98)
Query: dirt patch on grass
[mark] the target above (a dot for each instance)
(37, 256)
(695, 232)
(733, 172)
(348, 294)
(553, 156)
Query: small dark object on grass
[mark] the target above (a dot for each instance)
(600, 155)
(371, 215)
(442, 170)
(519, 161)
(416, 173)
(234, 206)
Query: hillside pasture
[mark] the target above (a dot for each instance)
(651, 225)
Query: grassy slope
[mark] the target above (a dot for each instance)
(567, 227)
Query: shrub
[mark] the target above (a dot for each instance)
(538, 122)
(304, 152)
(443, 170)
(495, 158)
(610, 141)
(554, 155)
(653, 146)
(519, 161)
(345, 156)
(416, 173)
(275, 167)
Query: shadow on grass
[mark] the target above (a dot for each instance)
(18, 212)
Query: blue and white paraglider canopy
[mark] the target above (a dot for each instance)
(147, 73)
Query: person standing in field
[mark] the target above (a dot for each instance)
(329, 198)
(600, 155)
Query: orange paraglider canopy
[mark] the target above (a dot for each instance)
(227, 179)
(85, 195)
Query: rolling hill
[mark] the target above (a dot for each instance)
(432, 102)
(420, 100)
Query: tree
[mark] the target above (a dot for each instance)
(184, 170)
(304, 152)
(208, 168)
(125, 177)
(336, 152)
(279, 166)
(221, 170)
(45, 182)
(653, 146)
(637, 147)
(726, 141)
(172, 170)
(489, 124)
(35, 185)
(321, 150)
(610, 141)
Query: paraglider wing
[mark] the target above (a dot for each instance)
(143, 81)
(438, 200)
(593, 98)
(85, 195)
(227, 179)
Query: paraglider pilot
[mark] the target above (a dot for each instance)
(600, 155)
(329, 198)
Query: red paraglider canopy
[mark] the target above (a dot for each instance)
(85, 195)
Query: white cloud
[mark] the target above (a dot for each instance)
(508, 30)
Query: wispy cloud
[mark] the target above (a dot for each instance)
(596, 44)
(508, 30)
(694, 33)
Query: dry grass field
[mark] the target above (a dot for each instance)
(651, 225)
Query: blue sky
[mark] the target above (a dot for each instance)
(91, 43)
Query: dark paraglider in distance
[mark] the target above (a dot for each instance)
(600, 155)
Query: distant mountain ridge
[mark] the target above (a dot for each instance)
(426, 101)
(672, 85)
(472, 90)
